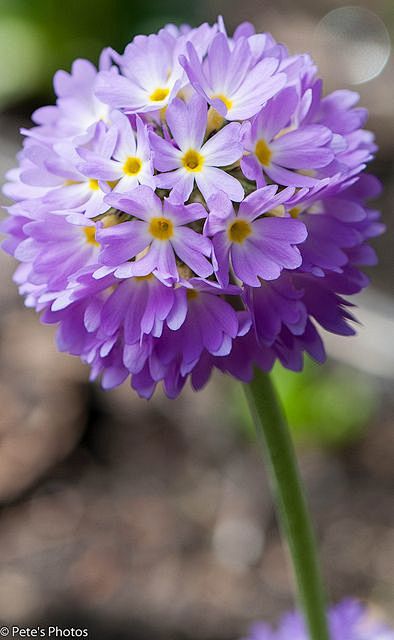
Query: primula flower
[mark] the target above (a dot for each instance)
(158, 230)
(259, 246)
(209, 323)
(131, 162)
(77, 106)
(151, 72)
(57, 247)
(348, 620)
(279, 149)
(194, 204)
(192, 161)
(59, 168)
(149, 80)
(230, 80)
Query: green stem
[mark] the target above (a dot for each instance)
(290, 500)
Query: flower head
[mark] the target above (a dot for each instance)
(196, 203)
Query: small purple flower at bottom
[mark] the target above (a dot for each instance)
(348, 620)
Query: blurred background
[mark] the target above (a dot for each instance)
(140, 520)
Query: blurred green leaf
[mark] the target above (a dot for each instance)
(326, 405)
(39, 37)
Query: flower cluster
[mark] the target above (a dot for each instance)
(349, 620)
(194, 203)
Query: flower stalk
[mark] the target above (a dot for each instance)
(290, 500)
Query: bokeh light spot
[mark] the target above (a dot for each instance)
(358, 41)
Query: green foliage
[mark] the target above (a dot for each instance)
(40, 36)
(330, 405)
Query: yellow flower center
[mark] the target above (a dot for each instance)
(149, 276)
(161, 228)
(110, 220)
(90, 234)
(309, 173)
(193, 161)
(263, 152)
(191, 294)
(295, 212)
(239, 230)
(159, 94)
(283, 132)
(132, 166)
(223, 98)
(93, 184)
(278, 211)
(214, 120)
(162, 113)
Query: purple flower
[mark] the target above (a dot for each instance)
(278, 149)
(77, 107)
(276, 306)
(353, 145)
(230, 80)
(151, 74)
(131, 161)
(348, 620)
(192, 160)
(208, 322)
(159, 232)
(165, 241)
(133, 307)
(258, 246)
(58, 169)
(57, 247)
(148, 80)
